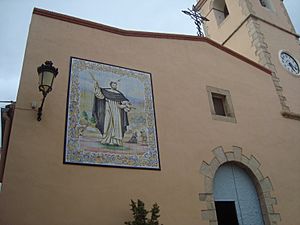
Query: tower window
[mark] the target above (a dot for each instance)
(263, 3)
(267, 4)
(226, 12)
(220, 104)
(220, 10)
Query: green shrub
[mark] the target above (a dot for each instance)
(140, 214)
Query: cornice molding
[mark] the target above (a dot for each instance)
(260, 19)
(290, 115)
(98, 26)
(274, 25)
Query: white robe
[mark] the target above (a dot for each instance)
(112, 133)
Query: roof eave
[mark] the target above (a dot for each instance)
(94, 25)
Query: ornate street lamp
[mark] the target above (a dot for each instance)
(46, 73)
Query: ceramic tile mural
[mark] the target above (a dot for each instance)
(110, 117)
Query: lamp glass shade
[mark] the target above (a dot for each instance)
(45, 81)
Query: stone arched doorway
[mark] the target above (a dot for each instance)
(235, 196)
(250, 164)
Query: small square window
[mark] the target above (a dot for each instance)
(220, 104)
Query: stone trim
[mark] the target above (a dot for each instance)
(230, 116)
(252, 165)
(264, 56)
(258, 41)
(247, 7)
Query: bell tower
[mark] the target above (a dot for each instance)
(262, 31)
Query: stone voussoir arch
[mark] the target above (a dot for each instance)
(251, 164)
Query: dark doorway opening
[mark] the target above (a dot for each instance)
(226, 213)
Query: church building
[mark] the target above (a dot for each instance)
(206, 127)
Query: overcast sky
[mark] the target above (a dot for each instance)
(148, 15)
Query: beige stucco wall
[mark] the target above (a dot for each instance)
(277, 15)
(242, 43)
(39, 189)
(220, 32)
(238, 12)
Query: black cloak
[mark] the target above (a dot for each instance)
(99, 109)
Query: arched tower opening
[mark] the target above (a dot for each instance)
(220, 10)
(267, 4)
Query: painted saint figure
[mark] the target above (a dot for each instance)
(110, 112)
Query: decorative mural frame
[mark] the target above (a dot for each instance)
(110, 117)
